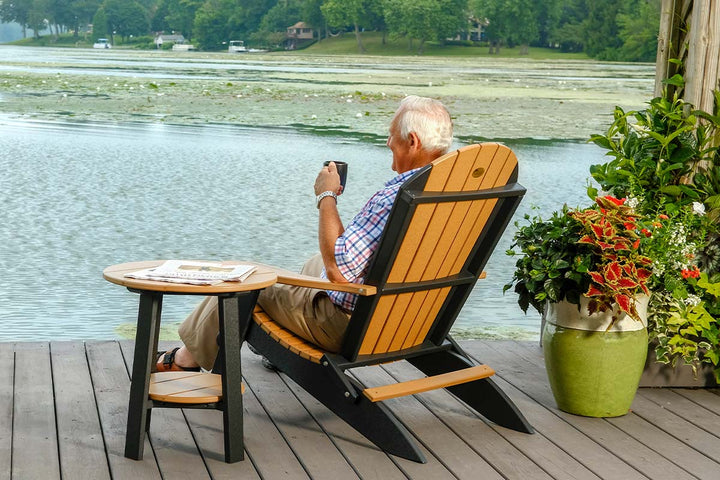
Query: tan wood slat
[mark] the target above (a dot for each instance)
(411, 387)
(288, 339)
(441, 170)
(186, 387)
(380, 315)
(429, 241)
(434, 310)
(421, 319)
(411, 243)
(396, 318)
(412, 314)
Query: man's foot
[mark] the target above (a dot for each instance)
(166, 363)
(265, 362)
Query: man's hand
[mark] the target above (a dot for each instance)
(328, 180)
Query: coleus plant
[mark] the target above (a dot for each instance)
(621, 271)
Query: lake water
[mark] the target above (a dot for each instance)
(77, 197)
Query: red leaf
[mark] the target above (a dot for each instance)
(593, 291)
(613, 271)
(586, 239)
(636, 244)
(604, 246)
(597, 230)
(623, 302)
(629, 225)
(627, 283)
(597, 278)
(643, 274)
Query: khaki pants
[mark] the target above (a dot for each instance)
(307, 312)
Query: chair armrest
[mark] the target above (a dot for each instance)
(291, 278)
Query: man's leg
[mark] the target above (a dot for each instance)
(307, 312)
(199, 333)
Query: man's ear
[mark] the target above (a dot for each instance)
(414, 141)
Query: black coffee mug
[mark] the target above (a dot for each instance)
(342, 168)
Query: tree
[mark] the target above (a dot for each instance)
(82, 12)
(126, 17)
(15, 11)
(211, 25)
(601, 29)
(425, 20)
(341, 13)
(639, 24)
(273, 26)
(179, 15)
(312, 15)
(499, 24)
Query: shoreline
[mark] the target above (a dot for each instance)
(488, 98)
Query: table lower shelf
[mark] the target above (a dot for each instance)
(186, 387)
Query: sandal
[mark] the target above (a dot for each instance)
(166, 363)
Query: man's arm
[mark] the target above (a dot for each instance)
(330, 226)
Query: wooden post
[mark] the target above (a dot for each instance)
(702, 75)
(690, 32)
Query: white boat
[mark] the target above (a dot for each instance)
(102, 43)
(237, 46)
(183, 47)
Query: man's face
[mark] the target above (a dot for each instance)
(400, 149)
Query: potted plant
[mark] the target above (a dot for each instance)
(665, 161)
(585, 270)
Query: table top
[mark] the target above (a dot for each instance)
(262, 277)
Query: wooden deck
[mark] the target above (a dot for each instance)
(63, 409)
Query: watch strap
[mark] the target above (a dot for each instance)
(327, 193)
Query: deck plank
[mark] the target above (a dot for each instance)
(528, 375)
(7, 369)
(318, 454)
(706, 398)
(584, 450)
(172, 442)
(82, 450)
(266, 447)
(485, 440)
(625, 447)
(452, 452)
(111, 384)
(34, 433)
(77, 417)
(367, 460)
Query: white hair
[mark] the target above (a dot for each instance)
(430, 121)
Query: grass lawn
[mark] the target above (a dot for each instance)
(346, 44)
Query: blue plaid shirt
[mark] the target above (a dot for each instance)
(361, 238)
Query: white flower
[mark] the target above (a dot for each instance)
(692, 300)
(632, 202)
(698, 208)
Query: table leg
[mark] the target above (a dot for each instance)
(235, 314)
(148, 326)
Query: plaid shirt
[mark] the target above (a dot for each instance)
(361, 238)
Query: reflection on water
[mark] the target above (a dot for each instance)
(79, 197)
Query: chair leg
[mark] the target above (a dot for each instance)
(373, 420)
(482, 395)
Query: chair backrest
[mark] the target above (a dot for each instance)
(444, 224)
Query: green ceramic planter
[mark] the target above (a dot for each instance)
(593, 372)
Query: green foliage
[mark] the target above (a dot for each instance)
(665, 161)
(126, 17)
(552, 264)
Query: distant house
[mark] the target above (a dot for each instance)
(175, 39)
(298, 33)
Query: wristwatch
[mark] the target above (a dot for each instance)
(323, 195)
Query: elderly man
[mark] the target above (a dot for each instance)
(420, 132)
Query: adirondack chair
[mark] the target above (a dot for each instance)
(444, 225)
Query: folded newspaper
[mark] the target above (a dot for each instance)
(194, 273)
